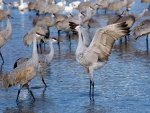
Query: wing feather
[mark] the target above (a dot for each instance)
(104, 39)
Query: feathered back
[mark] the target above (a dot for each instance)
(142, 29)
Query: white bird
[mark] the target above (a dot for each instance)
(96, 54)
(5, 35)
(24, 73)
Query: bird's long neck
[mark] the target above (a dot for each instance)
(8, 30)
(8, 11)
(81, 45)
(51, 53)
(88, 13)
(53, 19)
(86, 38)
(34, 53)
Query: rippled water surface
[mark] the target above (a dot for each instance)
(121, 86)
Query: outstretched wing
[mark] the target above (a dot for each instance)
(104, 39)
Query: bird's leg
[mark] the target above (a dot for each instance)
(68, 34)
(97, 11)
(40, 47)
(91, 93)
(18, 94)
(59, 39)
(91, 81)
(44, 47)
(44, 81)
(125, 40)
(30, 92)
(121, 41)
(90, 88)
(2, 57)
(105, 11)
(147, 42)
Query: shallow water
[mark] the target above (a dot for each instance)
(121, 86)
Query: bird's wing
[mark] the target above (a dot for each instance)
(20, 61)
(104, 39)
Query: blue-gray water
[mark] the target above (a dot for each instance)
(121, 86)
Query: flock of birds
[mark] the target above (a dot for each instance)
(72, 17)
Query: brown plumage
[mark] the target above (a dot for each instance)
(24, 73)
(142, 29)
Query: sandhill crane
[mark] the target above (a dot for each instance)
(44, 20)
(5, 35)
(142, 29)
(24, 73)
(129, 18)
(96, 54)
(125, 16)
(103, 4)
(117, 5)
(44, 59)
(84, 5)
(37, 6)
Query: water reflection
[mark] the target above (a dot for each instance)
(22, 107)
(28, 106)
(93, 108)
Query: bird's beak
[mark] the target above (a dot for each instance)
(37, 33)
(92, 8)
(82, 13)
(57, 39)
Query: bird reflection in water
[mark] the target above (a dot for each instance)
(26, 106)
(93, 108)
